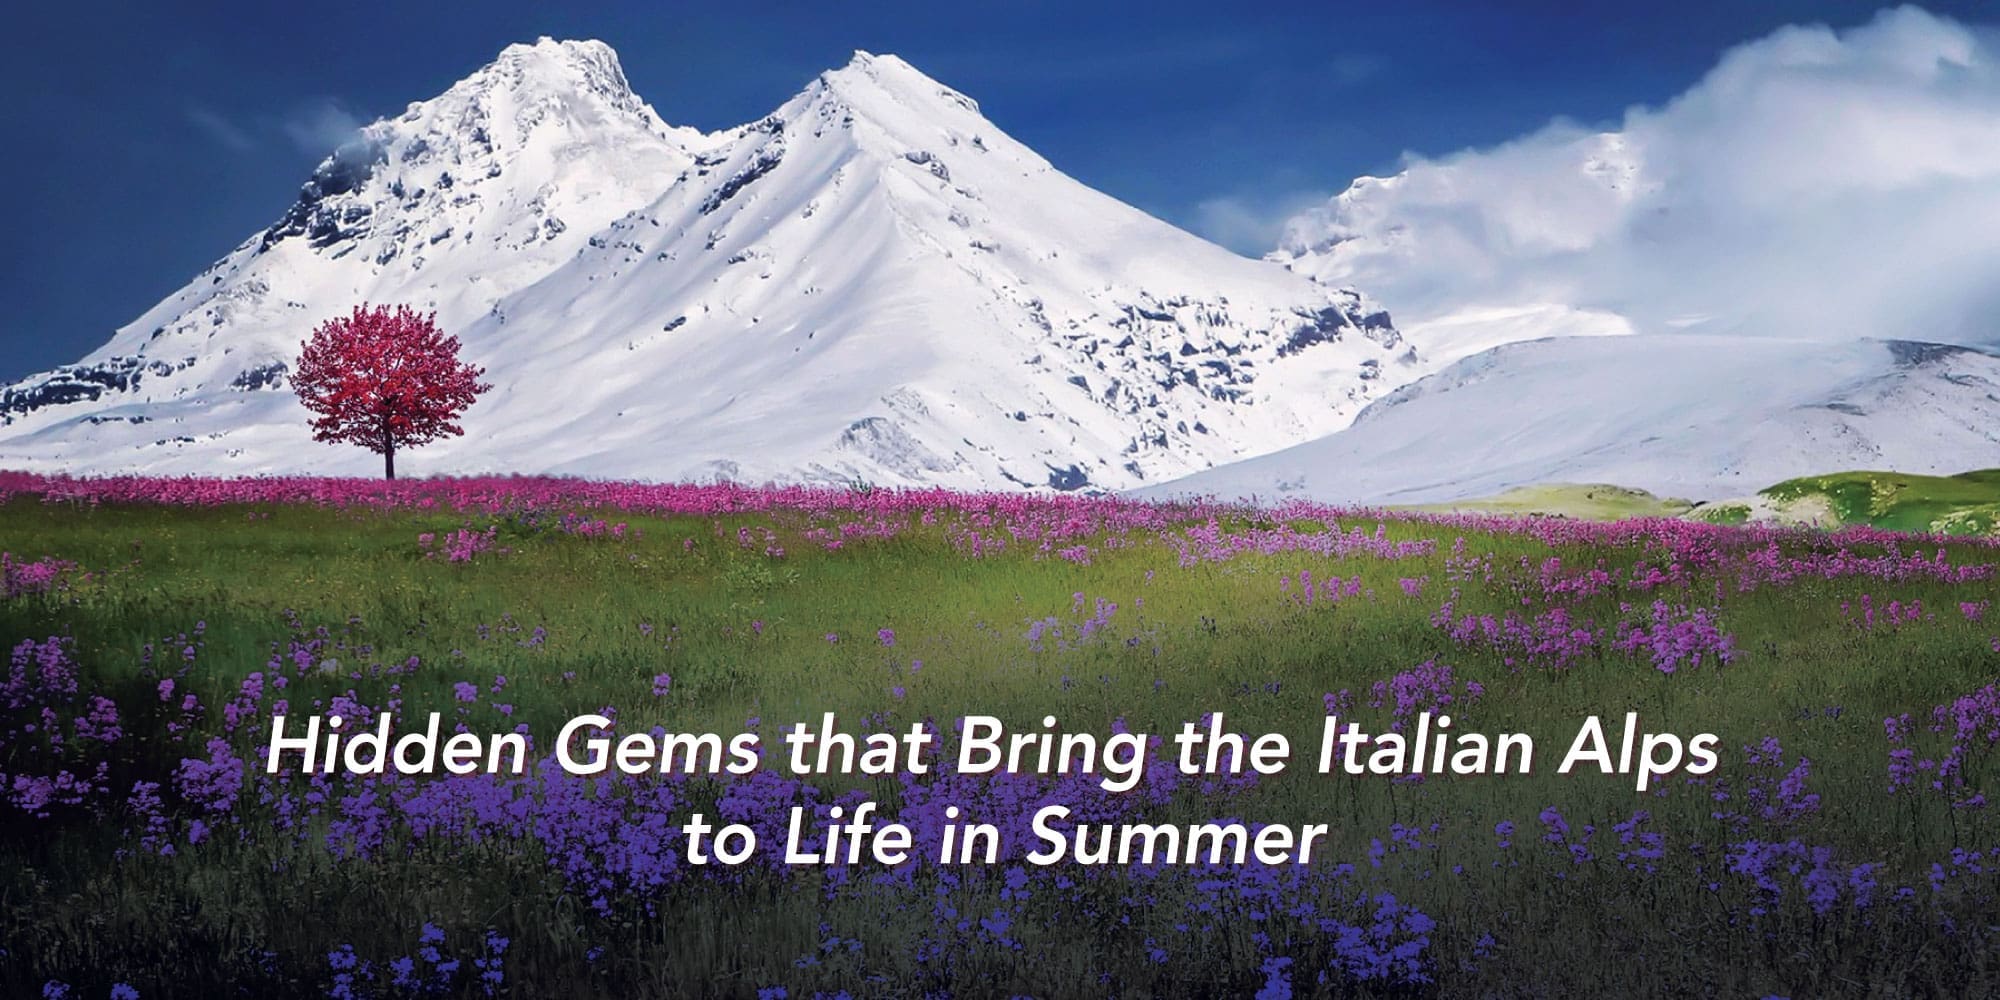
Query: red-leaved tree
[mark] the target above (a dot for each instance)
(384, 379)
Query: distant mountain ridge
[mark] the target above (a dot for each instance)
(1678, 415)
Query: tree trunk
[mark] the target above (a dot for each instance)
(387, 435)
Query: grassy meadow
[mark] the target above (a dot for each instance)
(1831, 853)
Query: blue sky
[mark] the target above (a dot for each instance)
(145, 143)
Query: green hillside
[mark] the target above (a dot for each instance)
(1589, 501)
(1965, 504)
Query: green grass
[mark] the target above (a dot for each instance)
(744, 636)
(1730, 513)
(1592, 502)
(1968, 503)
(1964, 504)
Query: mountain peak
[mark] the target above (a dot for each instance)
(548, 69)
(588, 56)
(868, 77)
(546, 126)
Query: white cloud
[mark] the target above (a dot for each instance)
(1814, 183)
(1350, 68)
(1249, 223)
(225, 132)
(320, 127)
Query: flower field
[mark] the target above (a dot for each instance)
(1844, 846)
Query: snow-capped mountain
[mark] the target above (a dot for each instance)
(457, 203)
(1684, 415)
(874, 282)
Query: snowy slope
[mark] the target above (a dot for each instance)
(1683, 415)
(874, 282)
